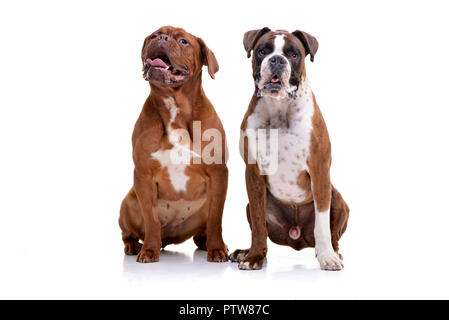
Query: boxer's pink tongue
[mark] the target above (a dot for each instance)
(158, 63)
(275, 80)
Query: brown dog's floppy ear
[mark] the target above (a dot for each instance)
(310, 42)
(209, 59)
(250, 38)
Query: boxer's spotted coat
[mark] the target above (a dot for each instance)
(295, 204)
(173, 201)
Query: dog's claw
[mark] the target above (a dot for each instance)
(246, 260)
(148, 255)
(217, 255)
(252, 262)
(238, 255)
(329, 261)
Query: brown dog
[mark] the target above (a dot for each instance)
(291, 198)
(178, 192)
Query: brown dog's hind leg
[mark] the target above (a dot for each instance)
(132, 246)
(200, 242)
(129, 222)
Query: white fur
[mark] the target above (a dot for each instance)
(176, 169)
(246, 266)
(324, 251)
(293, 121)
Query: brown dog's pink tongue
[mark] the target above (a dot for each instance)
(158, 63)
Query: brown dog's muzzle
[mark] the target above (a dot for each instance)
(159, 67)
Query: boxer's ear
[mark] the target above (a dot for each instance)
(310, 42)
(250, 38)
(209, 59)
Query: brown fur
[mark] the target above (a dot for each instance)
(153, 211)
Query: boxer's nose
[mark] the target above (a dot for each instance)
(164, 37)
(276, 60)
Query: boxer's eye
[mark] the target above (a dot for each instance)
(261, 53)
(294, 56)
(183, 41)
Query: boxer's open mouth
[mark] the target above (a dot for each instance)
(160, 68)
(275, 79)
(274, 85)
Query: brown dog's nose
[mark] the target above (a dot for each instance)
(164, 37)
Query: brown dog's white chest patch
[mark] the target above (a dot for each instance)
(177, 158)
(290, 120)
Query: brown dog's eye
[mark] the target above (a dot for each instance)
(261, 53)
(183, 41)
(294, 56)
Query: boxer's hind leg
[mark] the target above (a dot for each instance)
(129, 222)
(339, 215)
(281, 226)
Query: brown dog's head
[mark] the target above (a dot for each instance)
(278, 60)
(171, 56)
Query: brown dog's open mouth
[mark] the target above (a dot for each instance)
(160, 68)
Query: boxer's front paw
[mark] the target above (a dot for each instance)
(329, 260)
(238, 255)
(252, 262)
(148, 255)
(218, 255)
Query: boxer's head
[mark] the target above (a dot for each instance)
(278, 59)
(171, 56)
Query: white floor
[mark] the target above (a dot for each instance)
(95, 271)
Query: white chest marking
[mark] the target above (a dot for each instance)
(293, 121)
(168, 158)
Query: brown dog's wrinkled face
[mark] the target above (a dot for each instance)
(171, 56)
(278, 60)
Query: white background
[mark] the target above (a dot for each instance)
(71, 91)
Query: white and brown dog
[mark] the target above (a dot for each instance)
(286, 148)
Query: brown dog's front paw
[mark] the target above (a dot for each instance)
(217, 255)
(252, 262)
(238, 255)
(148, 255)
